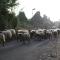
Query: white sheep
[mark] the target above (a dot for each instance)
(13, 31)
(23, 35)
(2, 38)
(7, 34)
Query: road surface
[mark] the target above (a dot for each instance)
(36, 50)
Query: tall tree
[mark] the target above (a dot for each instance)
(12, 20)
(47, 23)
(22, 20)
(4, 13)
(36, 20)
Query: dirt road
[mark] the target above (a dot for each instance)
(36, 50)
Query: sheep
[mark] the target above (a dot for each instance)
(7, 34)
(55, 33)
(2, 38)
(58, 30)
(13, 31)
(23, 35)
(43, 34)
(32, 33)
(48, 34)
(19, 35)
(40, 34)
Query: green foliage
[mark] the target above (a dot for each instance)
(12, 21)
(35, 22)
(7, 20)
(3, 18)
(22, 17)
(7, 3)
(22, 20)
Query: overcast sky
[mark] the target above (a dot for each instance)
(49, 7)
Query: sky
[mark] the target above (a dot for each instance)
(49, 7)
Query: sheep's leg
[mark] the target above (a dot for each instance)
(17, 38)
(29, 41)
(3, 43)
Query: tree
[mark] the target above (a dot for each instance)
(47, 23)
(41, 22)
(36, 20)
(12, 20)
(4, 13)
(22, 20)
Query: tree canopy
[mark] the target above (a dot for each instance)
(5, 16)
(41, 22)
(22, 20)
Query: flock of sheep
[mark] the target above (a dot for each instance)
(26, 35)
